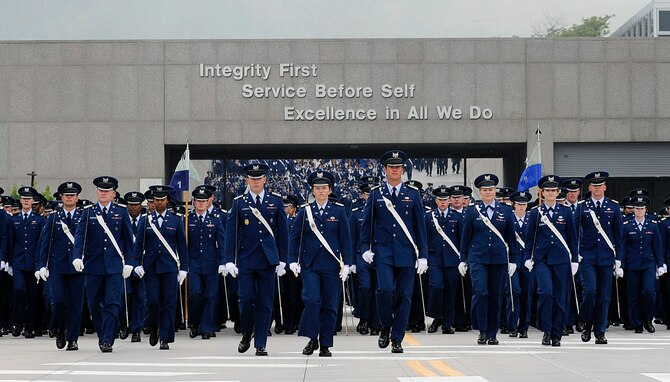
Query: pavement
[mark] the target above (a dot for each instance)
(427, 358)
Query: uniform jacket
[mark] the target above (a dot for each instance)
(523, 233)
(440, 253)
(389, 242)
(541, 242)
(355, 222)
(664, 229)
(55, 248)
(246, 235)
(481, 245)
(23, 238)
(4, 233)
(641, 249)
(205, 243)
(152, 254)
(333, 225)
(592, 247)
(92, 244)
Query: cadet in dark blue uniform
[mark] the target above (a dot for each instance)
(574, 188)
(24, 234)
(321, 251)
(489, 249)
(443, 227)
(393, 235)
(134, 283)
(664, 230)
(551, 254)
(162, 255)
(256, 246)
(523, 282)
(600, 249)
(643, 259)
(458, 204)
(67, 285)
(104, 249)
(5, 279)
(205, 248)
(291, 287)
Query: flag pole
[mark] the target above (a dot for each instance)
(186, 229)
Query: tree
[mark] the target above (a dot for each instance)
(15, 191)
(47, 194)
(553, 26)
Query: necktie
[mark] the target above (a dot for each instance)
(159, 219)
(394, 194)
(639, 226)
(134, 224)
(69, 218)
(320, 211)
(598, 207)
(202, 219)
(489, 211)
(104, 212)
(551, 212)
(444, 215)
(572, 208)
(258, 201)
(25, 216)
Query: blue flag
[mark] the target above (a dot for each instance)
(180, 177)
(533, 172)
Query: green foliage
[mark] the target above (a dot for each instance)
(593, 26)
(15, 191)
(47, 194)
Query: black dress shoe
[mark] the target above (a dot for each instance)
(384, 338)
(512, 333)
(363, 327)
(105, 347)
(60, 338)
(648, 326)
(448, 330)
(375, 332)
(204, 336)
(493, 341)
(461, 328)
(89, 330)
(146, 331)
(555, 341)
(523, 334)
(565, 331)
(600, 339)
(579, 327)
(153, 336)
(237, 328)
(325, 352)
(245, 343)
(279, 328)
(504, 331)
(29, 334)
(586, 334)
(212, 334)
(123, 332)
(639, 330)
(164, 346)
(433, 326)
(546, 339)
(396, 347)
(416, 328)
(310, 347)
(261, 352)
(193, 332)
(570, 329)
(71, 346)
(136, 337)
(482, 339)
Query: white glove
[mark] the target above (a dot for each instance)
(223, 271)
(281, 269)
(617, 264)
(78, 265)
(618, 273)
(665, 268)
(660, 271)
(511, 268)
(139, 271)
(295, 268)
(344, 273)
(37, 275)
(574, 267)
(181, 276)
(3, 265)
(368, 256)
(127, 271)
(529, 265)
(421, 266)
(44, 273)
(462, 268)
(232, 269)
(10, 270)
(580, 258)
(352, 268)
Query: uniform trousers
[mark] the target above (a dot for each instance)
(321, 295)
(67, 300)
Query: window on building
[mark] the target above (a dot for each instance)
(664, 21)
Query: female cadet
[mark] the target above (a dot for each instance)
(523, 282)
(551, 253)
(320, 248)
(642, 258)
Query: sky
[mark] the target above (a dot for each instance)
(268, 19)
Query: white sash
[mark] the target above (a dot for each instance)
(520, 240)
(319, 235)
(601, 231)
(102, 223)
(163, 241)
(66, 231)
(444, 235)
(397, 217)
(493, 228)
(260, 217)
(553, 229)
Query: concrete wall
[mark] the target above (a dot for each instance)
(76, 110)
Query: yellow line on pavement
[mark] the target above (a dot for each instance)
(445, 369)
(409, 340)
(421, 369)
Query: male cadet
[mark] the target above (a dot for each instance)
(393, 235)
(67, 285)
(162, 258)
(574, 187)
(104, 248)
(135, 284)
(599, 224)
(5, 280)
(149, 197)
(458, 203)
(443, 228)
(205, 249)
(664, 230)
(523, 282)
(256, 247)
(291, 286)
(24, 234)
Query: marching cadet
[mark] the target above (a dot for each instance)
(67, 285)
(574, 188)
(291, 286)
(523, 282)
(551, 253)
(489, 249)
(104, 248)
(256, 246)
(393, 236)
(664, 230)
(599, 223)
(205, 249)
(462, 323)
(644, 261)
(321, 251)
(24, 234)
(135, 284)
(456, 199)
(162, 255)
(5, 279)
(149, 197)
(443, 227)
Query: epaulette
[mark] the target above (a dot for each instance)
(304, 205)
(614, 201)
(276, 194)
(428, 209)
(224, 211)
(179, 214)
(654, 221)
(239, 196)
(121, 205)
(89, 206)
(664, 218)
(375, 187)
(626, 222)
(535, 207)
(216, 216)
(338, 204)
(412, 187)
(355, 209)
(581, 201)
